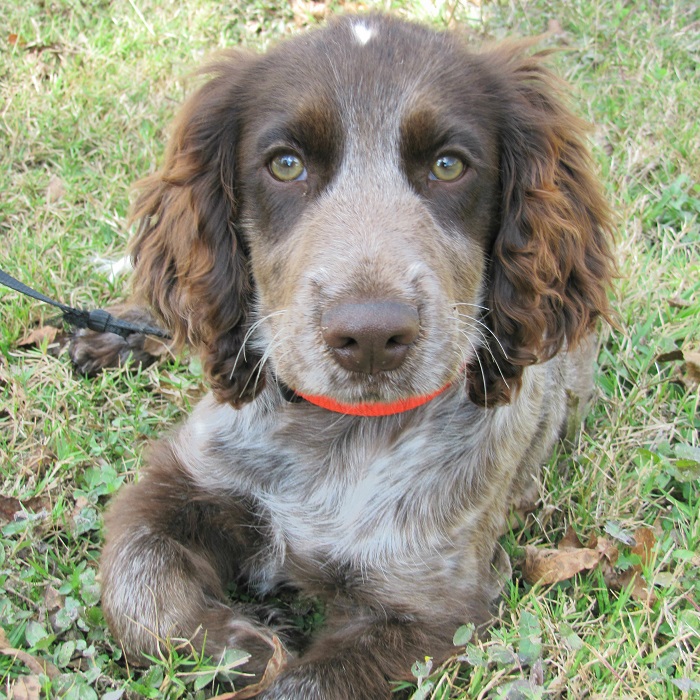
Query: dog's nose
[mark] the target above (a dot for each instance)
(370, 336)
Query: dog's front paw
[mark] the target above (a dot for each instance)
(328, 680)
(92, 352)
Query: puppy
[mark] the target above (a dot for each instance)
(391, 253)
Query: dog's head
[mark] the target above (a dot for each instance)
(369, 211)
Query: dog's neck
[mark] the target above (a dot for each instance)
(370, 410)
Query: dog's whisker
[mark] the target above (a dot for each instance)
(249, 333)
(486, 328)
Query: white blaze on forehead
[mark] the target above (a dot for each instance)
(362, 32)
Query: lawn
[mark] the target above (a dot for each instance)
(87, 90)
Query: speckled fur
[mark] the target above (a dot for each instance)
(394, 522)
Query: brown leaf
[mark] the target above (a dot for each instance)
(26, 688)
(692, 367)
(671, 356)
(35, 665)
(607, 549)
(11, 508)
(38, 336)
(275, 666)
(619, 580)
(55, 189)
(80, 503)
(553, 565)
(53, 600)
(570, 540)
(645, 541)
(678, 303)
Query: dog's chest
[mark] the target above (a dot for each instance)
(353, 504)
(378, 495)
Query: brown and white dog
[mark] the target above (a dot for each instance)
(391, 253)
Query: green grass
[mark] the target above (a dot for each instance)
(87, 90)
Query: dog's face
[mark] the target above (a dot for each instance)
(370, 209)
(367, 191)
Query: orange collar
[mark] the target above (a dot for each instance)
(372, 409)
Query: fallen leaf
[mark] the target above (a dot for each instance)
(644, 542)
(13, 508)
(55, 189)
(620, 580)
(689, 373)
(53, 600)
(607, 550)
(275, 666)
(692, 367)
(570, 540)
(8, 507)
(632, 578)
(38, 336)
(554, 565)
(37, 666)
(26, 688)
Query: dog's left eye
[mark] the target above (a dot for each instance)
(287, 167)
(447, 168)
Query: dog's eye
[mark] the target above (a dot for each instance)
(287, 167)
(447, 168)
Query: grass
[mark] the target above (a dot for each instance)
(86, 92)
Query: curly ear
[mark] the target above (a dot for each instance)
(190, 264)
(550, 264)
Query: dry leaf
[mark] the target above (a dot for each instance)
(618, 580)
(55, 189)
(11, 508)
(671, 356)
(37, 666)
(692, 368)
(53, 600)
(554, 565)
(26, 688)
(38, 336)
(645, 540)
(275, 666)
(570, 540)
(689, 374)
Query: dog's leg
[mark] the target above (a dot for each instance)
(92, 352)
(360, 655)
(170, 550)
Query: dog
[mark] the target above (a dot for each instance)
(391, 253)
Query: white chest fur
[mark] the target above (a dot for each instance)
(367, 492)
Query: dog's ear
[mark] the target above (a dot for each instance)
(550, 265)
(190, 263)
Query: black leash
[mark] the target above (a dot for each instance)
(97, 320)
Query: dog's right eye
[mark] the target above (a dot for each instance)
(287, 167)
